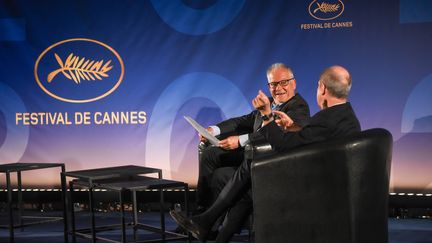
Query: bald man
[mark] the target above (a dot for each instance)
(336, 119)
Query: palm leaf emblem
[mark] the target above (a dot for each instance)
(77, 69)
(326, 7)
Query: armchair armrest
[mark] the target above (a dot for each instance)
(257, 149)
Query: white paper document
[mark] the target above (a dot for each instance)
(201, 130)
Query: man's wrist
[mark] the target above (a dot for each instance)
(266, 111)
(216, 130)
(243, 139)
(267, 117)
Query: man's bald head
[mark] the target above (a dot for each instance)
(337, 80)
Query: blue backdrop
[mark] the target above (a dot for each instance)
(162, 59)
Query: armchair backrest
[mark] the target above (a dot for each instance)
(334, 191)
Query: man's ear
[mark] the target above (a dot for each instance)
(322, 89)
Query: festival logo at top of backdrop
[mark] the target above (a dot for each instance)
(79, 70)
(326, 10)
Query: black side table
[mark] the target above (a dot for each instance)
(141, 183)
(103, 177)
(18, 168)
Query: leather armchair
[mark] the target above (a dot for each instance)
(335, 191)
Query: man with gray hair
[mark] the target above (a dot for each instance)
(336, 119)
(236, 132)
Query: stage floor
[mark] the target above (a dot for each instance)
(400, 230)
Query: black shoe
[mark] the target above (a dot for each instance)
(195, 229)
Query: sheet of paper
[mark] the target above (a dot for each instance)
(201, 130)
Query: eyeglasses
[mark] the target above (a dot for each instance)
(282, 83)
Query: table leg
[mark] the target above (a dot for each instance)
(186, 203)
(135, 214)
(9, 200)
(72, 210)
(20, 208)
(186, 198)
(123, 221)
(92, 212)
(162, 212)
(63, 189)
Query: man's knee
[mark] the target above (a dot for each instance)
(210, 153)
(221, 176)
(210, 157)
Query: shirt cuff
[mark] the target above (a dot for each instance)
(243, 139)
(216, 130)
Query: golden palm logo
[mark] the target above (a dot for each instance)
(77, 69)
(91, 78)
(327, 10)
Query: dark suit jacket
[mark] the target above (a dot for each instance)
(332, 122)
(296, 108)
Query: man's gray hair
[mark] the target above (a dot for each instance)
(277, 66)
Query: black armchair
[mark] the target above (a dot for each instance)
(335, 191)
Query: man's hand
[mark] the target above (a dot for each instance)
(203, 139)
(230, 143)
(262, 103)
(283, 120)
